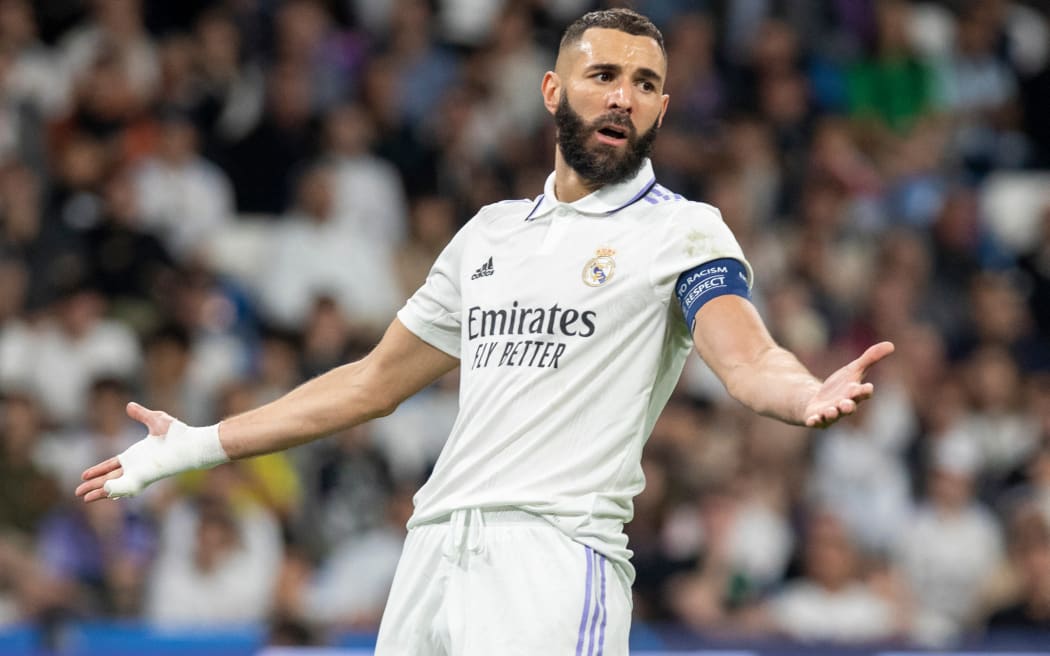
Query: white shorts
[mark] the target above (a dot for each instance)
(503, 583)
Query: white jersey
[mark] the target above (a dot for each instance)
(570, 341)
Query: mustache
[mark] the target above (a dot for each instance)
(616, 119)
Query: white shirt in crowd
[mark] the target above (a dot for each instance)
(239, 591)
(313, 259)
(946, 558)
(183, 204)
(853, 614)
(59, 369)
(370, 199)
(355, 579)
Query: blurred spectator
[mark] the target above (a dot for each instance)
(308, 39)
(831, 601)
(21, 128)
(29, 492)
(116, 30)
(232, 87)
(110, 109)
(71, 347)
(412, 437)
(221, 324)
(514, 61)
(1004, 435)
(432, 222)
(746, 545)
(422, 70)
(81, 163)
(369, 194)
(892, 85)
(107, 430)
(859, 474)
(165, 382)
(979, 88)
(317, 255)
(346, 482)
(51, 251)
(690, 125)
(1030, 556)
(261, 162)
(183, 198)
(326, 341)
(348, 590)
(129, 265)
(215, 568)
(35, 78)
(951, 547)
(100, 554)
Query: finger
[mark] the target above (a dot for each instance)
(847, 406)
(101, 469)
(861, 391)
(97, 483)
(95, 495)
(817, 421)
(156, 422)
(872, 355)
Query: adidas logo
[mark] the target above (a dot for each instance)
(486, 269)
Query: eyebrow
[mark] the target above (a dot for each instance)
(643, 72)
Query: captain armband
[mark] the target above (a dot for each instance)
(707, 281)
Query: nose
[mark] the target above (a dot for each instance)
(620, 97)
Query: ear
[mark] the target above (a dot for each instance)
(663, 110)
(551, 89)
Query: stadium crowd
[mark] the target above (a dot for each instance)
(204, 203)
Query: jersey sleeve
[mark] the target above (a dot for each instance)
(695, 235)
(433, 313)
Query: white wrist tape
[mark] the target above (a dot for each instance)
(159, 456)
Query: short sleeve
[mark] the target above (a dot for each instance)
(696, 234)
(433, 312)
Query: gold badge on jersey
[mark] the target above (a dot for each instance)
(599, 269)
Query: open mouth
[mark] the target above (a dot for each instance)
(611, 134)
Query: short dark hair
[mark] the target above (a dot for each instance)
(624, 20)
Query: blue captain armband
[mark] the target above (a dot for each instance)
(710, 280)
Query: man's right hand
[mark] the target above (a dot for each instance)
(170, 447)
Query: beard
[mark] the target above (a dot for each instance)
(601, 164)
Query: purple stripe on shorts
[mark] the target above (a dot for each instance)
(599, 606)
(586, 602)
(605, 613)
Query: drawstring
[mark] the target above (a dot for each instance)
(465, 529)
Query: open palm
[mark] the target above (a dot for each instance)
(840, 393)
(95, 477)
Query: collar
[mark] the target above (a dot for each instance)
(603, 202)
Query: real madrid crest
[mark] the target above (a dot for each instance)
(599, 269)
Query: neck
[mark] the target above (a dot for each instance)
(568, 185)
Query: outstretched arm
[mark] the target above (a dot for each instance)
(399, 366)
(732, 339)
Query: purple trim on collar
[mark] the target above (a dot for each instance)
(536, 206)
(637, 197)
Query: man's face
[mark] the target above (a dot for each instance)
(607, 101)
(586, 148)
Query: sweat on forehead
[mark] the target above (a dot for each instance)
(624, 20)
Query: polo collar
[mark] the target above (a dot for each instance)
(603, 202)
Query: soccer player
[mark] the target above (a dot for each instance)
(570, 317)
